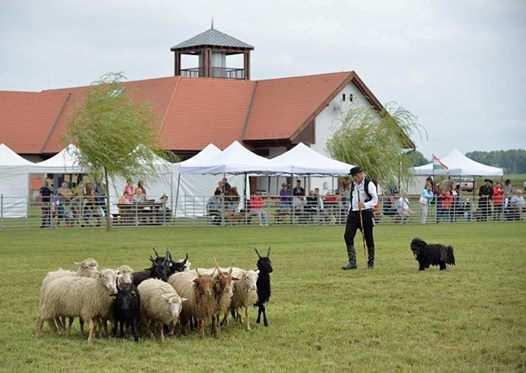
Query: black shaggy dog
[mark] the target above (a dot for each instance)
(432, 255)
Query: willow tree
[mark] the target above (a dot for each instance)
(377, 141)
(114, 135)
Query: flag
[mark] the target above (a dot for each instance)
(438, 165)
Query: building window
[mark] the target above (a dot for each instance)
(350, 97)
(343, 97)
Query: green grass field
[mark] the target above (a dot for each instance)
(394, 318)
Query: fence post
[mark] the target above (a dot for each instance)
(1, 209)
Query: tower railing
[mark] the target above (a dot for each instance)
(216, 72)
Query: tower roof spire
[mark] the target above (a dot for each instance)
(212, 24)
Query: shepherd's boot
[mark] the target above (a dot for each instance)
(370, 257)
(351, 254)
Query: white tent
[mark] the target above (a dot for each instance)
(458, 165)
(234, 160)
(65, 162)
(302, 160)
(193, 189)
(14, 176)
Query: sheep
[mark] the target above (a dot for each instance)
(201, 304)
(87, 268)
(124, 276)
(264, 265)
(245, 294)
(160, 304)
(71, 296)
(126, 310)
(223, 292)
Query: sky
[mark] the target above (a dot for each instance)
(459, 66)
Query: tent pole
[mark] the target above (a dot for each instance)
(245, 200)
(177, 194)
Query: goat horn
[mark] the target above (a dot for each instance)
(268, 252)
(257, 252)
(155, 252)
(197, 271)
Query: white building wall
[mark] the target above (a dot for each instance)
(326, 124)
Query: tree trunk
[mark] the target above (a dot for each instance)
(108, 212)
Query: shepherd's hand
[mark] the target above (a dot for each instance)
(361, 205)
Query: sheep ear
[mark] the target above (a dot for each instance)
(257, 252)
(196, 280)
(230, 272)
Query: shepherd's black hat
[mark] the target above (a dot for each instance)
(488, 181)
(355, 170)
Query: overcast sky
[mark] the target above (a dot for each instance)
(459, 65)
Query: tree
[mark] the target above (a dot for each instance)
(415, 158)
(114, 135)
(513, 161)
(377, 142)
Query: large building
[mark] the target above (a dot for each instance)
(208, 103)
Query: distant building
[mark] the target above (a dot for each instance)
(208, 103)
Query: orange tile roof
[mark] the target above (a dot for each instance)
(190, 112)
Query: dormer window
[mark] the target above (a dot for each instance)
(350, 97)
(343, 97)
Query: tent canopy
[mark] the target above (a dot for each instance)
(303, 160)
(65, 162)
(14, 173)
(8, 158)
(458, 165)
(234, 160)
(202, 158)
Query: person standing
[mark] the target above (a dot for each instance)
(425, 199)
(498, 201)
(363, 199)
(46, 194)
(485, 196)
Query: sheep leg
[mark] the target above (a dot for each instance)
(114, 328)
(70, 322)
(224, 322)
(40, 325)
(134, 328)
(247, 321)
(259, 314)
(81, 323)
(265, 321)
(442, 266)
(161, 330)
(91, 330)
(421, 267)
(105, 327)
(121, 329)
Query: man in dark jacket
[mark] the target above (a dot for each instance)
(46, 192)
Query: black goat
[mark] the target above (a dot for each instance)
(159, 269)
(264, 265)
(173, 266)
(126, 311)
(432, 254)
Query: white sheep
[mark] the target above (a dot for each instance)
(245, 294)
(87, 268)
(124, 276)
(72, 296)
(160, 305)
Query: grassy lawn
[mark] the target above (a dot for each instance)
(470, 318)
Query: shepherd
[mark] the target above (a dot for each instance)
(363, 200)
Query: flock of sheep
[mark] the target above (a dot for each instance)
(168, 297)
